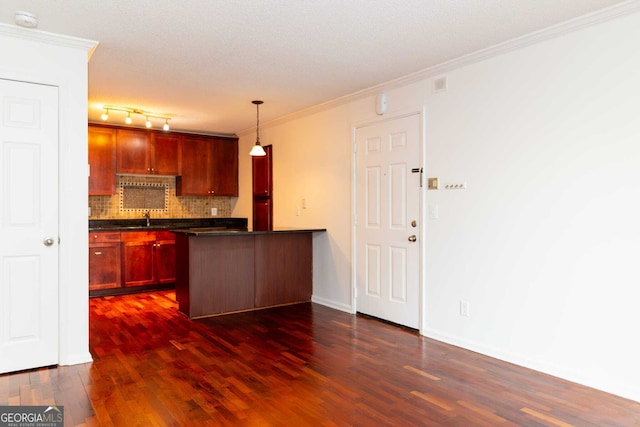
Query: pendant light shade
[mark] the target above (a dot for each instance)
(257, 149)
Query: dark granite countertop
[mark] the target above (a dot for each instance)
(167, 224)
(212, 232)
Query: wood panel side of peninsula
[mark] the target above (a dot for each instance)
(223, 273)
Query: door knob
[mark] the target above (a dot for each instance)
(48, 241)
(412, 238)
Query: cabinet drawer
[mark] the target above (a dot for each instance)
(138, 236)
(104, 237)
(165, 235)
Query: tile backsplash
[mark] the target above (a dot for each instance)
(109, 207)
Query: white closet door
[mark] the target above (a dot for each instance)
(28, 225)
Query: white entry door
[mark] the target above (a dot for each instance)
(388, 221)
(28, 225)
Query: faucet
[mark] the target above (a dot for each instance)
(147, 216)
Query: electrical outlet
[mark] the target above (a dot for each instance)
(214, 211)
(464, 308)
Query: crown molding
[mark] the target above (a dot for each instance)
(50, 38)
(572, 25)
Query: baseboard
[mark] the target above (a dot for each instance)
(332, 304)
(76, 359)
(623, 390)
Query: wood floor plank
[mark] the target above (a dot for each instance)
(302, 365)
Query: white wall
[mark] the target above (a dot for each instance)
(544, 243)
(45, 58)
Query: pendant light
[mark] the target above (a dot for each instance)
(257, 149)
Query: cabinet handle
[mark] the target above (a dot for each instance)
(97, 253)
(95, 236)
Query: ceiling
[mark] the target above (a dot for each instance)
(203, 61)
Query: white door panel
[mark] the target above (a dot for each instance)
(387, 201)
(28, 216)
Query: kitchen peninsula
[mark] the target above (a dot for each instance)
(223, 271)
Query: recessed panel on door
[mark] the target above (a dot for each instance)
(373, 268)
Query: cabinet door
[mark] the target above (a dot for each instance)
(165, 257)
(102, 161)
(165, 261)
(104, 266)
(165, 154)
(262, 174)
(262, 214)
(138, 262)
(196, 170)
(131, 151)
(224, 163)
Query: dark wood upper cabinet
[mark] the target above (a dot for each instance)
(166, 154)
(102, 161)
(147, 153)
(225, 166)
(209, 167)
(196, 158)
(204, 165)
(131, 151)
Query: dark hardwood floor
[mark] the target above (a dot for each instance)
(300, 365)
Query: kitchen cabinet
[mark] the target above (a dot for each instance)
(165, 257)
(209, 167)
(102, 161)
(104, 260)
(148, 258)
(166, 154)
(147, 152)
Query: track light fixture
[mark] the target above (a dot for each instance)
(128, 120)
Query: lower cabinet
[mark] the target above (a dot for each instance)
(104, 260)
(165, 257)
(148, 258)
(131, 258)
